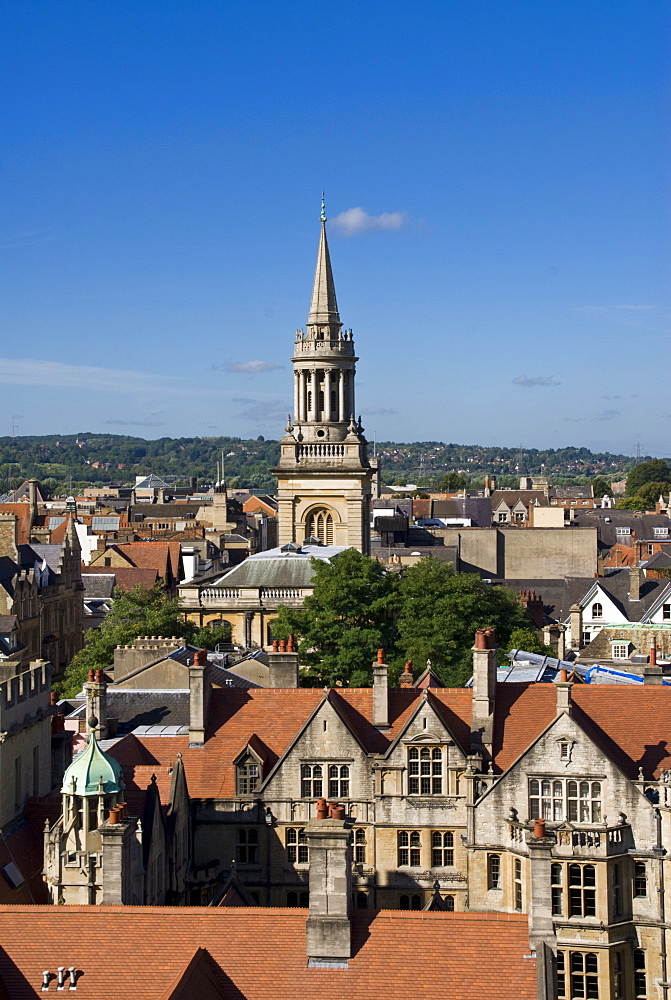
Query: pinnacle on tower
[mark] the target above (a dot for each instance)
(323, 307)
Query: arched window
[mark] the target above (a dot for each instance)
(362, 900)
(597, 610)
(449, 902)
(320, 525)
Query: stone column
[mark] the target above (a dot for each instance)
(341, 396)
(328, 925)
(328, 413)
(314, 389)
(297, 396)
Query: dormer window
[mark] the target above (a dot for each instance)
(248, 772)
(597, 610)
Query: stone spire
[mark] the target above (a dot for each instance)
(323, 307)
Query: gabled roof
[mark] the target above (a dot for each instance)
(201, 978)
(152, 482)
(629, 723)
(260, 952)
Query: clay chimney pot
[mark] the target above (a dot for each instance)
(539, 828)
(380, 656)
(322, 809)
(276, 645)
(114, 817)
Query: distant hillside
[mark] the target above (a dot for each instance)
(82, 459)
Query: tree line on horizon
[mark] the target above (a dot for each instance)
(73, 461)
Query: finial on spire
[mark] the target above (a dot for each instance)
(323, 212)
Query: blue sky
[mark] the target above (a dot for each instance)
(497, 184)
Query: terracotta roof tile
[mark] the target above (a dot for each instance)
(22, 511)
(151, 954)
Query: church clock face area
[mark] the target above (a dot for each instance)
(324, 473)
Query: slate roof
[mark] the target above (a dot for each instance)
(607, 521)
(126, 577)
(275, 568)
(25, 847)
(571, 493)
(7, 623)
(152, 482)
(559, 595)
(135, 708)
(660, 560)
(258, 953)
(98, 585)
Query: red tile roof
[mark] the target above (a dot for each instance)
(629, 724)
(257, 953)
(22, 511)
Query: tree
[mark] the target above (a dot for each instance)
(529, 641)
(650, 493)
(630, 503)
(601, 487)
(343, 623)
(654, 471)
(134, 613)
(439, 612)
(453, 481)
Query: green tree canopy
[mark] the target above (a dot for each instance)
(439, 612)
(654, 471)
(134, 613)
(650, 493)
(601, 486)
(343, 623)
(630, 503)
(453, 481)
(529, 641)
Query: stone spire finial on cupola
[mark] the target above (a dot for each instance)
(324, 306)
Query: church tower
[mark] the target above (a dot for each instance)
(324, 476)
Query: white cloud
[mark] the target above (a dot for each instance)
(31, 371)
(247, 367)
(355, 221)
(534, 380)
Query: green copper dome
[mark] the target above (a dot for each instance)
(86, 771)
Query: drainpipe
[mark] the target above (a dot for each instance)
(662, 905)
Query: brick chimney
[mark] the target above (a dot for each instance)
(406, 680)
(533, 604)
(95, 690)
(380, 692)
(635, 581)
(199, 698)
(542, 934)
(652, 671)
(484, 688)
(575, 637)
(328, 924)
(283, 664)
(563, 686)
